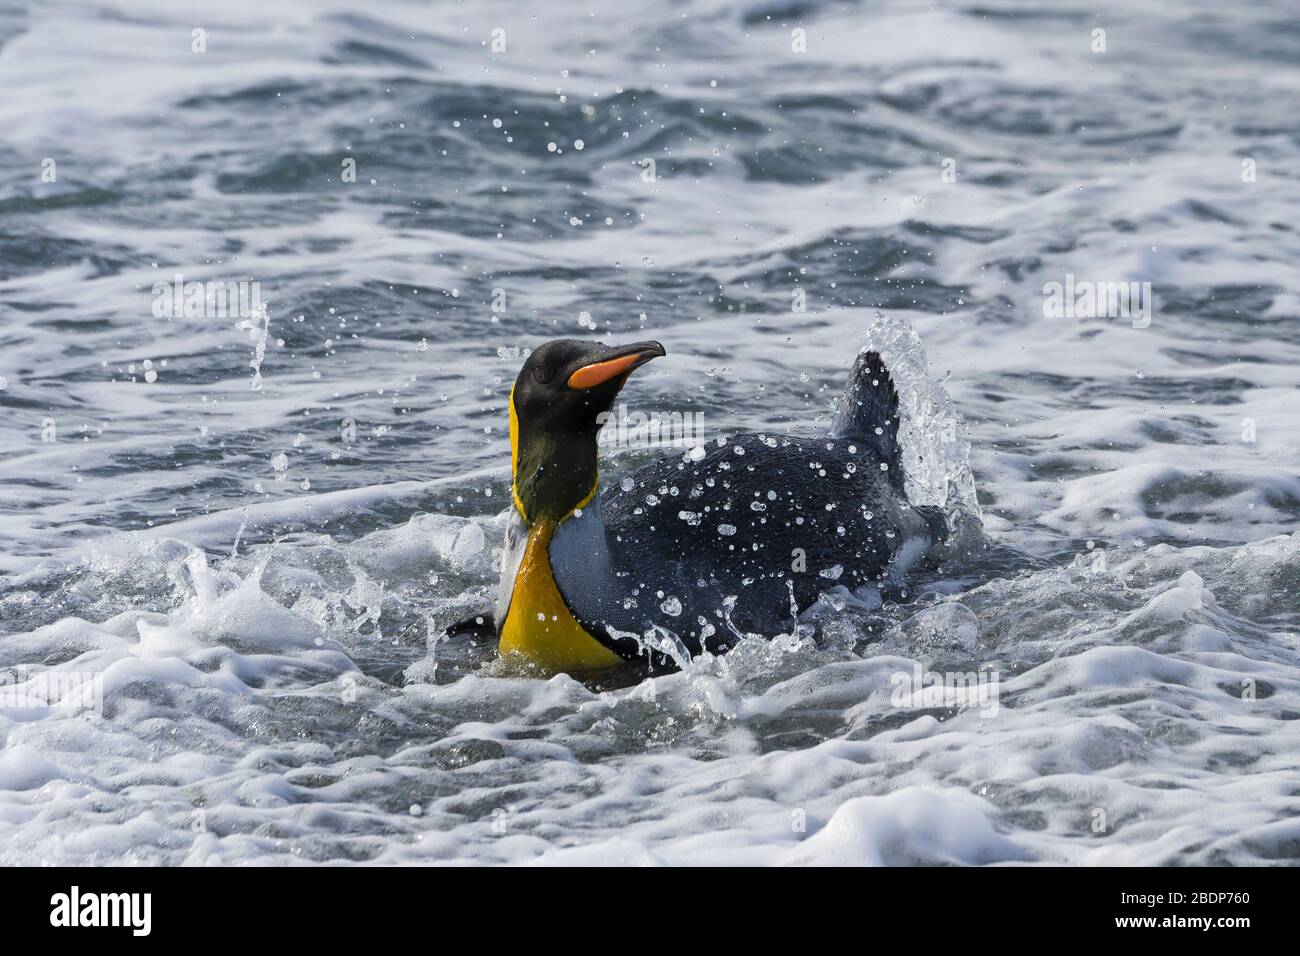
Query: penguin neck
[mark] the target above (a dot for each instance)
(543, 522)
(552, 476)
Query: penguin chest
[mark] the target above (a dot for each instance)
(539, 625)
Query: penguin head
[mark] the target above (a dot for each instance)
(557, 406)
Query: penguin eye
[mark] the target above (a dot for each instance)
(543, 373)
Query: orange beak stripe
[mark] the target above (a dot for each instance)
(591, 375)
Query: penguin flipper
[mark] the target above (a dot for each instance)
(936, 522)
(868, 412)
(482, 625)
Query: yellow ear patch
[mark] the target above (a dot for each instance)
(514, 455)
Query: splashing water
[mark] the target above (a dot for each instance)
(934, 438)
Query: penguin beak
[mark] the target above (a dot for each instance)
(620, 361)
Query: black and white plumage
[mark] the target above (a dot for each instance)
(702, 549)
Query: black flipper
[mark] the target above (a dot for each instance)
(868, 412)
(482, 625)
(936, 522)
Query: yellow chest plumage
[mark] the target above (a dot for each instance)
(539, 625)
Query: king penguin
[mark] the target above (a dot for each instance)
(695, 551)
